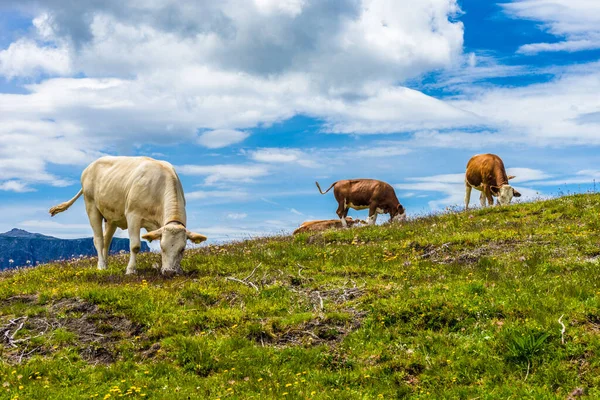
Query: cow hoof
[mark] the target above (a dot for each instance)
(130, 271)
(170, 272)
(101, 266)
(156, 265)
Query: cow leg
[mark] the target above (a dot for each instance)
(490, 198)
(342, 212)
(372, 215)
(468, 189)
(133, 228)
(482, 199)
(109, 232)
(96, 222)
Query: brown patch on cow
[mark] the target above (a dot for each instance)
(97, 332)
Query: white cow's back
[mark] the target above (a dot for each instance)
(120, 186)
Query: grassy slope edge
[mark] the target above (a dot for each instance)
(459, 305)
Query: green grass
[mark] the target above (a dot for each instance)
(457, 306)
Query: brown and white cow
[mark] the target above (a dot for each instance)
(379, 197)
(324, 224)
(486, 173)
(133, 193)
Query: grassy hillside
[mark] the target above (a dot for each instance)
(462, 305)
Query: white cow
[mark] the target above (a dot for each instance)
(133, 193)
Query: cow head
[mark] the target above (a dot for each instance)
(505, 194)
(399, 214)
(173, 238)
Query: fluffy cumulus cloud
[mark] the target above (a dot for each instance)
(159, 71)
(25, 58)
(102, 75)
(575, 22)
(343, 41)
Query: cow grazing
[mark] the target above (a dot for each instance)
(133, 193)
(379, 197)
(486, 173)
(322, 225)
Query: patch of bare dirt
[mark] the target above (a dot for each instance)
(96, 332)
(20, 298)
(319, 330)
(322, 329)
(447, 253)
(310, 333)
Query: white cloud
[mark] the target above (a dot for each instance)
(221, 138)
(294, 211)
(583, 177)
(224, 172)
(229, 195)
(390, 110)
(241, 65)
(454, 192)
(445, 178)
(282, 155)
(275, 155)
(238, 65)
(578, 21)
(336, 41)
(24, 58)
(526, 175)
(288, 7)
(382, 151)
(237, 215)
(474, 68)
(15, 186)
(569, 46)
(542, 114)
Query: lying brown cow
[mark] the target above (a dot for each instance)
(324, 224)
(379, 197)
(486, 173)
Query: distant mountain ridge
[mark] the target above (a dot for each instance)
(20, 248)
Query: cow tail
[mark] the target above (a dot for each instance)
(65, 206)
(323, 192)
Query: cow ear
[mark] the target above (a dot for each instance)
(494, 189)
(511, 177)
(153, 235)
(400, 209)
(195, 237)
(516, 194)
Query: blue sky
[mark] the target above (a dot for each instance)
(254, 100)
